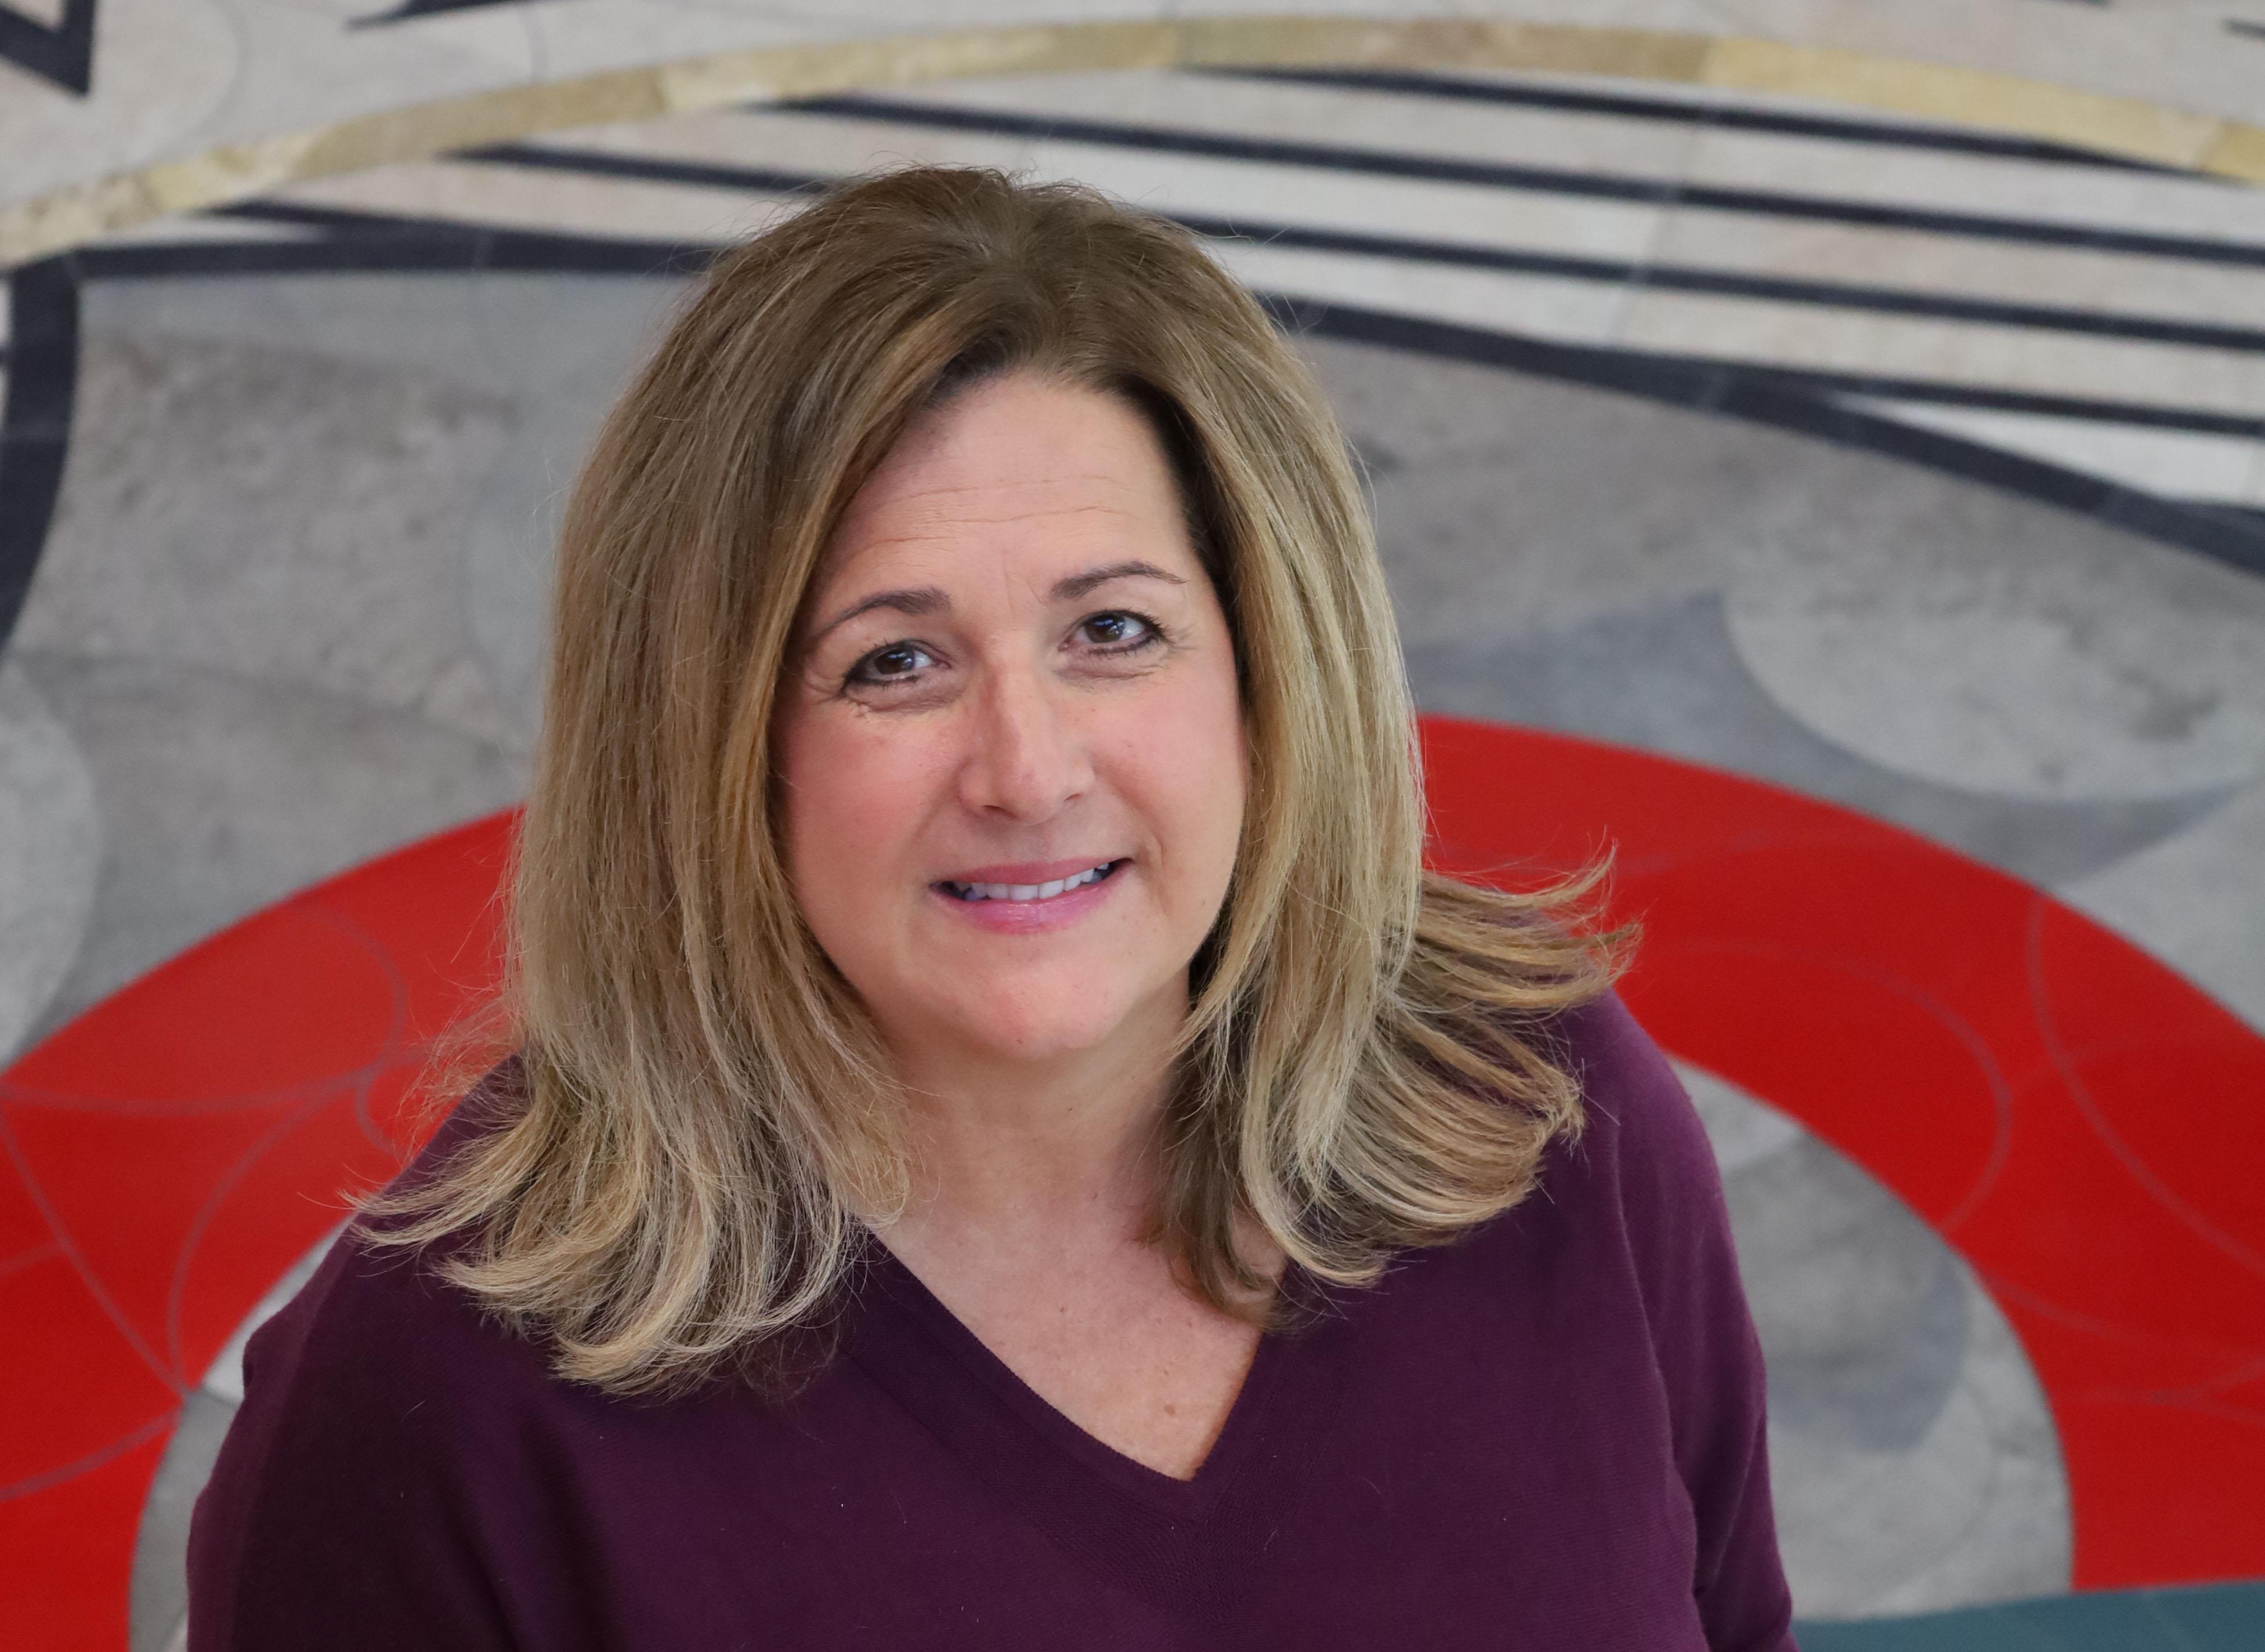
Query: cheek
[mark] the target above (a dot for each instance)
(1192, 772)
(852, 798)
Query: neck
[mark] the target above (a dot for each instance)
(1065, 1144)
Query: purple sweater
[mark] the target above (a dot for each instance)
(1549, 1434)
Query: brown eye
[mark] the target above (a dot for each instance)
(1117, 630)
(897, 661)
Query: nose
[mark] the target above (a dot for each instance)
(1026, 757)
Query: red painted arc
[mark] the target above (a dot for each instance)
(2051, 1099)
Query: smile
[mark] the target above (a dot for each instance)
(1048, 891)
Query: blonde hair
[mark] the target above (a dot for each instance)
(706, 1120)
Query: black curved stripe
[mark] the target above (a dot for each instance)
(368, 241)
(1787, 398)
(440, 243)
(2228, 535)
(1539, 179)
(34, 420)
(1895, 300)
(62, 52)
(371, 240)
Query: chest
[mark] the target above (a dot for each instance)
(1127, 1356)
(1411, 1473)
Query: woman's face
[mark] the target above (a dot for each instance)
(1013, 748)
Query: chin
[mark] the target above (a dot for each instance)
(1061, 1025)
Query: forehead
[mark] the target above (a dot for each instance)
(1017, 464)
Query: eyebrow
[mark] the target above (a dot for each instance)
(1080, 584)
(920, 600)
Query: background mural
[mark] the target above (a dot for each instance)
(1820, 457)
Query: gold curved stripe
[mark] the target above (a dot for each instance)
(2129, 127)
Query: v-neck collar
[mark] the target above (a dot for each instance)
(1176, 1541)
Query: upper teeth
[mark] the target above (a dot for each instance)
(1030, 892)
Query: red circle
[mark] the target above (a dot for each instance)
(2071, 1114)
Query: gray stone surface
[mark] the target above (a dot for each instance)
(1974, 1509)
(50, 845)
(1666, 678)
(567, 386)
(2087, 666)
(1855, 1299)
(1741, 1129)
(1507, 503)
(2193, 900)
(1913, 1462)
(489, 331)
(1560, 556)
(396, 449)
(273, 514)
(159, 1604)
(1503, 503)
(220, 794)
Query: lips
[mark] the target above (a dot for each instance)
(1046, 882)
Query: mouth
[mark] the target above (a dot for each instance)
(1051, 889)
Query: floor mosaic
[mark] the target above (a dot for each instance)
(1757, 468)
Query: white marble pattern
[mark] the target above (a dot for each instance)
(2206, 468)
(1197, 184)
(1917, 260)
(2176, 58)
(516, 198)
(582, 36)
(162, 69)
(1535, 306)
(1297, 112)
(305, 65)
(1986, 186)
(178, 228)
(2044, 361)
(296, 64)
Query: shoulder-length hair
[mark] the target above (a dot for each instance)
(706, 1119)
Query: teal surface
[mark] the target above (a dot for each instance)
(2218, 1617)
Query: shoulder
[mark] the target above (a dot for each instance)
(380, 1329)
(380, 1408)
(376, 1330)
(384, 1319)
(1641, 1164)
(1635, 1113)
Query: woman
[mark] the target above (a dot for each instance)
(1006, 1145)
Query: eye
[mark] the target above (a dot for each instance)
(896, 663)
(1117, 631)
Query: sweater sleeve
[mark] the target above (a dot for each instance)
(1678, 1232)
